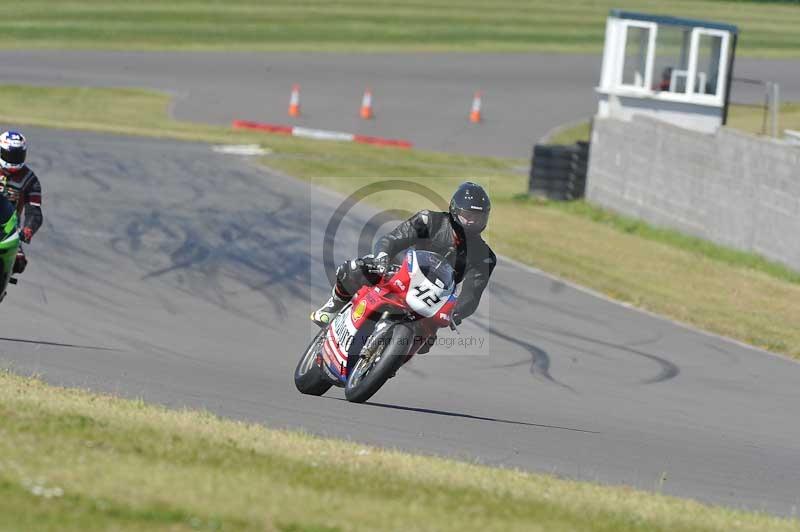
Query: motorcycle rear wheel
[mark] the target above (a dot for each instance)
(371, 372)
(308, 376)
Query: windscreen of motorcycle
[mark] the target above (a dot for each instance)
(430, 283)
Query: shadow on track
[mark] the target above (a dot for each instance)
(56, 344)
(470, 416)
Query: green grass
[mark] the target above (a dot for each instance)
(570, 133)
(733, 257)
(370, 25)
(750, 118)
(731, 293)
(70, 460)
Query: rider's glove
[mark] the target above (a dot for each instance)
(10, 194)
(26, 234)
(377, 265)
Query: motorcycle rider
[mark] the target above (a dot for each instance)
(20, 185)
(456, 235)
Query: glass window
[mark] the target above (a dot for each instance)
(634, 67)
(709, 49)
(671, 65)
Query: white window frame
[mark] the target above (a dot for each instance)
(611, 81)
(677, 74)
(652, 27)
(722, 72)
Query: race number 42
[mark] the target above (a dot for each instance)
(430, 299)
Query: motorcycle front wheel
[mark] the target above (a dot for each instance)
(308, 376)
(379, 361)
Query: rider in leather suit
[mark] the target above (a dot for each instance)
(455, 235)
(21, 186)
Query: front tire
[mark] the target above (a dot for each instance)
(370, 372)
(308, 376)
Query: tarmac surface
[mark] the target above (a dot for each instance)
(424, 98)
(154, 277)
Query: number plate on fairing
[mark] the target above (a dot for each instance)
(342, 332)
(424, 297)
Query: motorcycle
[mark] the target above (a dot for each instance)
(9, 243)
(380, 329)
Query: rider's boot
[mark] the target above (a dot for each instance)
(325, 314)
(20, 262)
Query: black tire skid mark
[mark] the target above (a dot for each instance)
(668, 370)
(540, 359)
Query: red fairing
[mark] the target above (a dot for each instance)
(445, 314)
(391, 291)
(366, 303)
(399, 282)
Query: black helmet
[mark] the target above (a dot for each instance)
(470, 208)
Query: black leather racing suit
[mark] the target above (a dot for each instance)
(23, 189)
(471, 258)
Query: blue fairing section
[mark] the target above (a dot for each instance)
(410, 259)
(335, 371)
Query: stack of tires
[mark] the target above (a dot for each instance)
(559, 172)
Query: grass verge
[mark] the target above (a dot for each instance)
(570, 133)
(767, 29)
(714, 288)
(750, 118)
(71, 460)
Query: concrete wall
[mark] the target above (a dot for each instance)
(731, 188)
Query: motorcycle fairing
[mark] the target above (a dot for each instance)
(338, 340)
(407, 289)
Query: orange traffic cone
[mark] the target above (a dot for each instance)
(294, 101)
(366, 105)
(475, 112)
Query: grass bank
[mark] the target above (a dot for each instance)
(70, 460)
(750, 118)
(735, 294)
(768, 29)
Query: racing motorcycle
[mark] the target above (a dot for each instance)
(380, 329)
(9, 243)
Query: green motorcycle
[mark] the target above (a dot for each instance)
(9, 243)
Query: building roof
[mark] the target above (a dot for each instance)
(673, 21)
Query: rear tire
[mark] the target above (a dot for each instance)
(308, 376)
(367, 376)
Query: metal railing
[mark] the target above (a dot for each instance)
(771, 103)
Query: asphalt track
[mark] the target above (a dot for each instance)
(183, 276)
(424, 98)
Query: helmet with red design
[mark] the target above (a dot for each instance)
(13, 148)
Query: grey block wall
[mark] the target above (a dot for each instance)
(731, 188)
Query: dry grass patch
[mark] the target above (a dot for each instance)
(71, 460)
